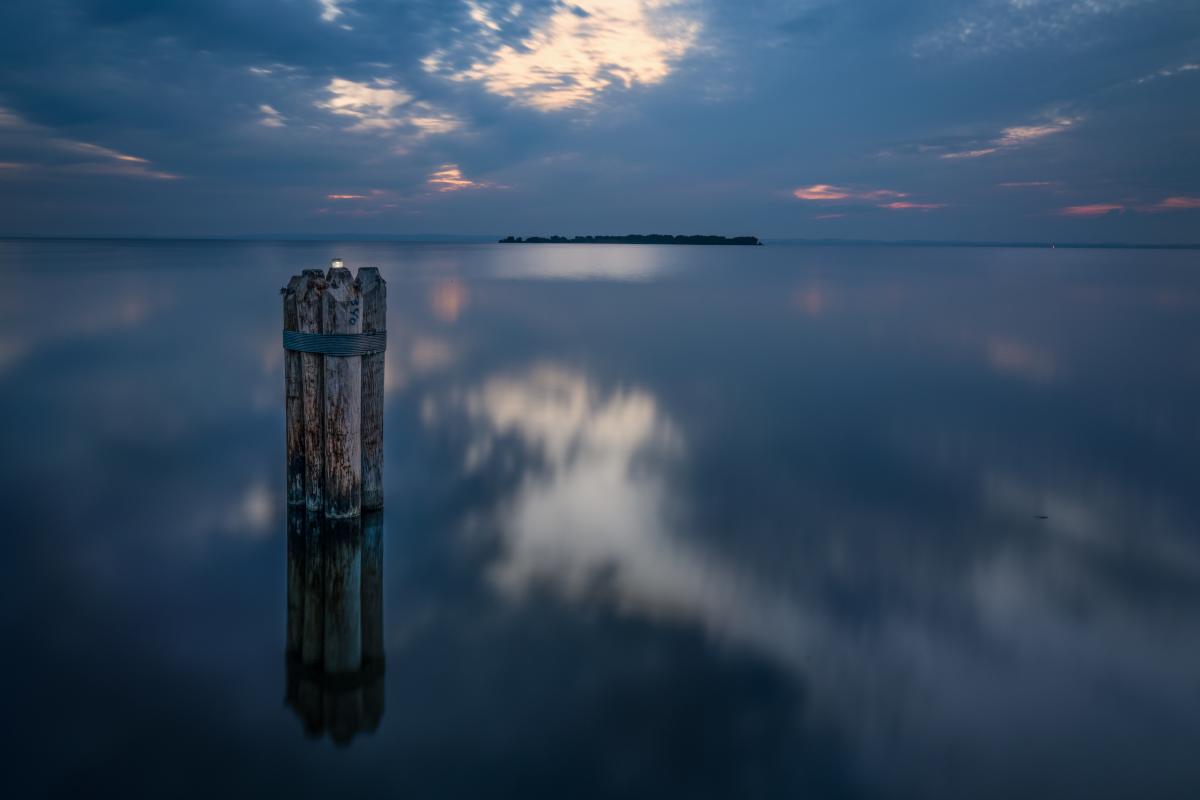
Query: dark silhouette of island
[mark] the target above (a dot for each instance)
(633, 238)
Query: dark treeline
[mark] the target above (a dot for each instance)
(633, 238)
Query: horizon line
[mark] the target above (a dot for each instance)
(470, 238)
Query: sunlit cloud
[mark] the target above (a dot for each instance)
(1168, 72)
(904, 205)
(1016, 136)
(1092, 210)
(820, 191)
(347, 196)
(331, 10)
(96, 150)
(75, 156)
(381, 105)
(270, 118)
(449, 178)
(1176, 204)
(576, 52)
(824, 192)
(887, 199)
(983, 151)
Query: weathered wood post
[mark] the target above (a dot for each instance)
(342, 313)
(373, 291)
(293, 398)
(310, 293)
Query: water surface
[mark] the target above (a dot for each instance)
(661, 522)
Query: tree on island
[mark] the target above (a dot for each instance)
(633, 238)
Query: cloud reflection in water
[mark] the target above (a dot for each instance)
(595, 522)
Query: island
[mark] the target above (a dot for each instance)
(633, 238)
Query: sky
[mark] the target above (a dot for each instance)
(985, 120)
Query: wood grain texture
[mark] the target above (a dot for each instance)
(342, 313)
(373, 291)
(309, 295)
(293, 399)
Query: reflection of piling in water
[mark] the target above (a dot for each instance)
(372, 587)
(340, 689)
(342, 539)
(295, 580)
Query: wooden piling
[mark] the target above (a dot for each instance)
(293, 398)
(342, 537)
(373, 291)
(342, 313)
(310, 293)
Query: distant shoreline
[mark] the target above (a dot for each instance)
(636, 238)
(482, 239)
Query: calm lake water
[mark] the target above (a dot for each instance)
(661, 522)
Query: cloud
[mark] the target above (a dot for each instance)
(381, 105)
(576, 52)
(1024, 184)
(1092, 210)
(824, 192)
(904, 205)
(1169, 72)
(63, 155)
(993, 26)
(331, 10)
(270, 117)
(828, 193)
(1016, 136)
(1176, 204)
(449, 178)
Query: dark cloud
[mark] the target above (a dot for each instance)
(607, 115)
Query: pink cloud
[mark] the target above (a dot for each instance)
(902, 205)
(1176, 204)
(824, 192)
(1092, 210)
(346, 196)
(829, 216)
(821, 191)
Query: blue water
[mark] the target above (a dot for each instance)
(661, 522)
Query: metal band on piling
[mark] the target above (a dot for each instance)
(336, 344)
